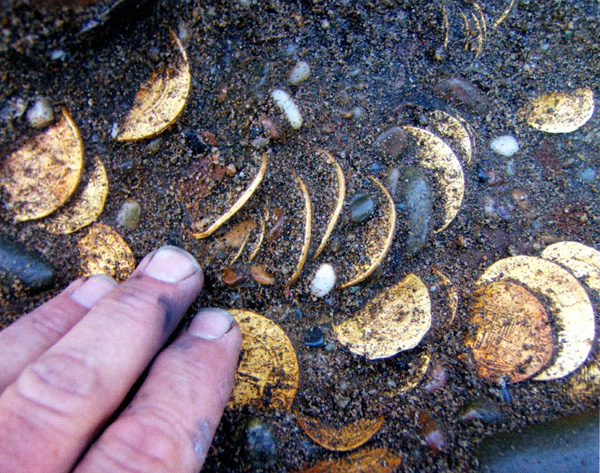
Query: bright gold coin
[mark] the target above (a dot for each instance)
(568, 306)
(582, 261)
(159, 102)
(433, 153)
(452, 131)
(341, 439)
(560, 112)
(85, 205)
(513, 337)
(395, 320)
(103, 251)
(40, 176)
(268, 371)
(376, 460)
(584, 384)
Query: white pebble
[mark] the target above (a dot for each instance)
(505, 145)
(40, 114)
(323, 281)
(287, 106)
(300, 73)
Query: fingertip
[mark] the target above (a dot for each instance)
(170, 264)
(93, 289)
(211, 324)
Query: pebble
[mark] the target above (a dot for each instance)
(195, 143)
(438, 378)
(588, 175)
(430, 431)
(314, 337)
(566, 444)
(259, 448)
(13, 108)
(300, 73)
(391, 142)
(40, 114)
(362, 207)
(506, 145)
(230, 278)
(261, 276)
(481, 409)
(392, 181)
(288, 107)
(463, 93)
(17, 264)
(155, 145)
(129, 215)
(418, 207)
(324, 281)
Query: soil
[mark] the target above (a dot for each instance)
(373, 65)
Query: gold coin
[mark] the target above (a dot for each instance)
(40, 176)
(513, 336)
(560, 112)
(341, 439)
(268, 371)
(376, 239)
(568, 306)
(396, 319)
(453, 132)
(159, 102)
(434, 154)
(208, 226)
(103, 251)
(341, 193)
(376, 460)
(85, 205)
(582, 261)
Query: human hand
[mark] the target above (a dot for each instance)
(66, 367)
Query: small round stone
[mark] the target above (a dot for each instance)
(129, 215)
(300, 73)
(18, 264)
(324, 281)
(506, 145)
(314, 337)
(40, 114)
(361, 208)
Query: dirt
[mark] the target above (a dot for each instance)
(370, 63)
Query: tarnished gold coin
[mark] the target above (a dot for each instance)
(560, 112)
(582, 261)
(159, 102)
(377, 241)
(40, 176)
(585, 382)
(395, 320)
(103, 251)
(341, 193)
(513, 338)
(453, 132)
(340, 438)
(85, 205)
(268, 371)
(208, 226)
(433, 153)
(568, 305)
(376, 460)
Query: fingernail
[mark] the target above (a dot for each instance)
(172, 264)
(211, 324)
(93, 289)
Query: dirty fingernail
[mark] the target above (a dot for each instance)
(93, 289)
(172, 264)
(211, 324)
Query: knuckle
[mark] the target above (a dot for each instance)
(57, 382)
(147, 445)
